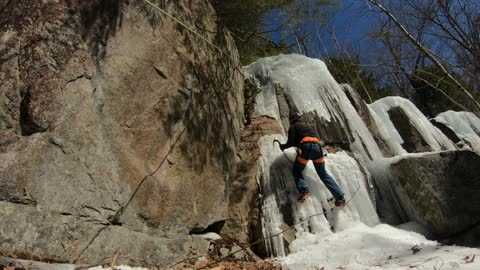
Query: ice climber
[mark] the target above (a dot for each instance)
(308, 146)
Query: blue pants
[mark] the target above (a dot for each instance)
(313, 151)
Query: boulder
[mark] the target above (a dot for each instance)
(443, 187)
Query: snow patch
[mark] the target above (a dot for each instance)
(362, 247)
(210, 236)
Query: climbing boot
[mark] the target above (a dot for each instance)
(303, 195)
(340, 202)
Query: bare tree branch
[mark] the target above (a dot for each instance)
(426, 51)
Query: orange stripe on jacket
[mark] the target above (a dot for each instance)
(302, 160)
(320, 160)
(310, 139)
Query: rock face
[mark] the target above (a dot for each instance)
(447, 131)
(412, 139)
(444, 189)
(118, 129)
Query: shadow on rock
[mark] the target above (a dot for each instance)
(100, 20)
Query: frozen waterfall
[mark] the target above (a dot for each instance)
(354, 233)
(311, 88)
(282, 210)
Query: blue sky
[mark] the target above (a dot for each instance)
(349, 21)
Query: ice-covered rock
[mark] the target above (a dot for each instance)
(309, 88)
(465, 126)
(405, 129)
(303, 236)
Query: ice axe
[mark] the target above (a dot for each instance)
(279, 144)
(276, 141)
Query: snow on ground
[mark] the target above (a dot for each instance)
(360, 247)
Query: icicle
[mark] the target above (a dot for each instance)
(432, 136)
(311, 88)
(466, 126)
